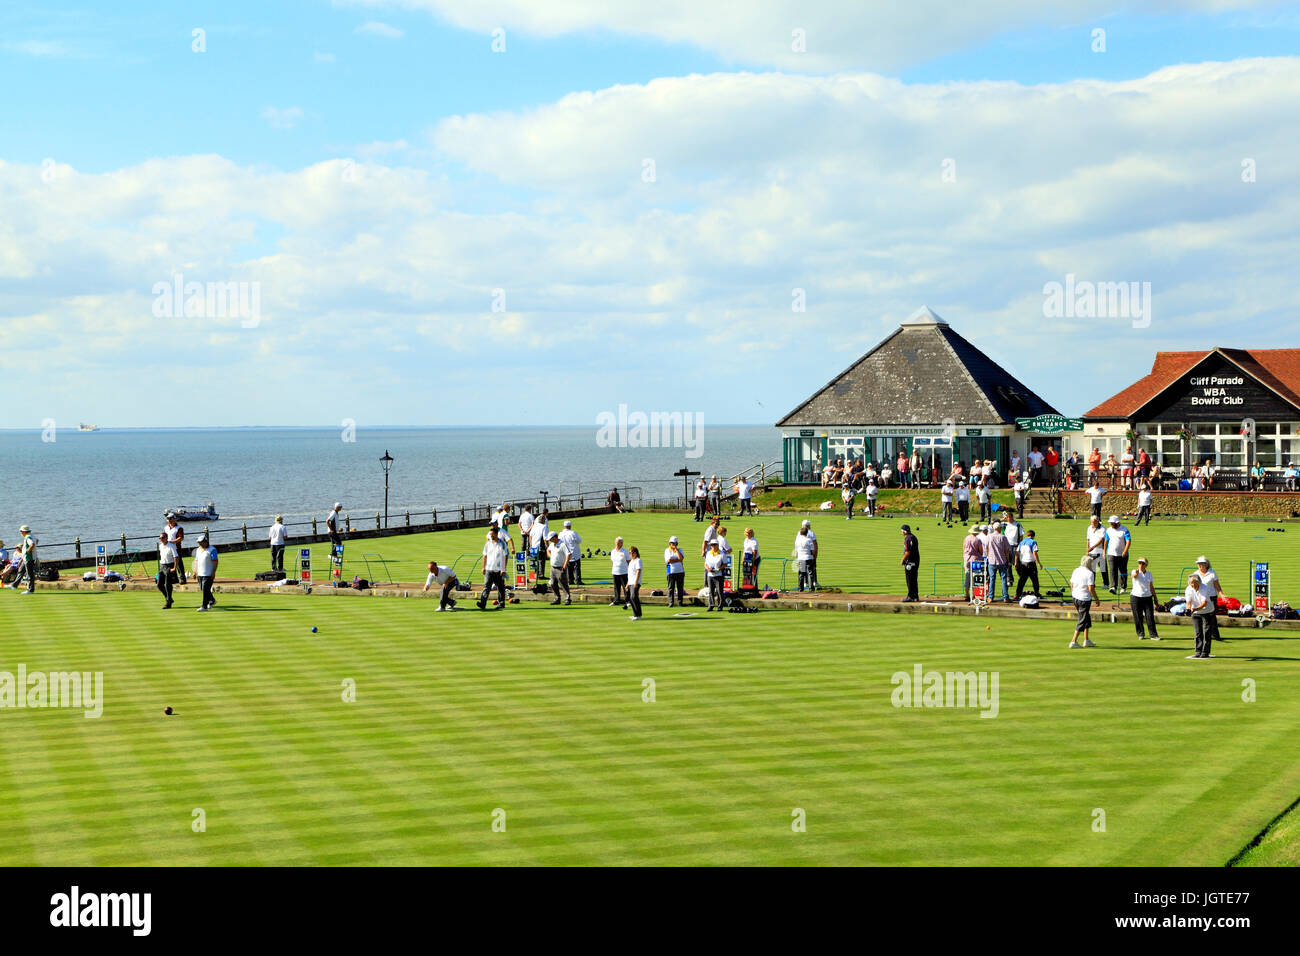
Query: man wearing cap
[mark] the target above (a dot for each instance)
(1212, 590)
(539, 536)
(998, 551)
(805, 553)
(569, 538)
(945, 496)
(1202, 610)
(1145, 497)
(1095, 493)
(1028, 561)
(963, 501)
(701, 498)
(972, 549)
(205, 569)
(985, 498)
(495, 557)
(1083, 591)
(167, 559)
(1021, 491)
(176, 537)
(277, 536)
(847, 494)
(559, 557)
(675, 563)
(1118, 541)
(31, 563)
(911, 563)
(1142, 601)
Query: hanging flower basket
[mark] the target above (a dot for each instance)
(1185, 434)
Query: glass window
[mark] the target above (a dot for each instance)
(1266, 453)
(1232, 454)
(1205, 428)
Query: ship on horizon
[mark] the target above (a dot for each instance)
(83, 427)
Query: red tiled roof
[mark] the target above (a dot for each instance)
(1278, 369)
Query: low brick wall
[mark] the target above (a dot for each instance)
(1212, 504)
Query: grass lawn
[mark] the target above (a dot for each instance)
(538, 711)
(858, 555)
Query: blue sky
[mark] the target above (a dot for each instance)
(380, 174)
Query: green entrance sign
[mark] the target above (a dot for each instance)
(805, 433)
(975, 432)
(1049, 424)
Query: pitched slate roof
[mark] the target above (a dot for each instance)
(1277, 369)
(923, 373)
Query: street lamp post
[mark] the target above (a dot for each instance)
(387, 463)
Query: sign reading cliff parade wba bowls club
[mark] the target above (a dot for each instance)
(1049, 424)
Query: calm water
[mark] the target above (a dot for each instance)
(100, 484)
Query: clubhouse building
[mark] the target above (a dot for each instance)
(924, 389)
(1232, 407)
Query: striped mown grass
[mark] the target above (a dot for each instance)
(539, 711)
(858, 555)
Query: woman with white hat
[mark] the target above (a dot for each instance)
(675, 562)
(30, 562)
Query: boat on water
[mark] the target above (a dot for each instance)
(83, 427)
(196, 512)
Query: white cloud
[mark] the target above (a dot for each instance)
(881, 35)
(766, 182)
(379, 29)
(282, 118)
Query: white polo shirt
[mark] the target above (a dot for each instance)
(945, 493)
(1144, 498)
(1026, 549)
(1095, 493)
(751, 546)
(634, 571)
(872, 491)
(1142, 581)
(496, 554)
(558, 555)
(335, 518)
(1116, 537)
(174, 533)
(525, 521)
(569, 538)
(537, 534)
(673, 561)
(1080, 581)
(441, 576)
(166, 554)
(715, 564)
(618, 561)
(277, 534)
(744, 489)
(1096, 540)
(803, 545)
(205, 564)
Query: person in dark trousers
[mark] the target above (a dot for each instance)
(618, 559)
(205, 569)
(445, 578)
(334, 524)
(176, 535)
(1202, 610)
(1142, 601)
(559, 558)
(675, 562)
(277, 536)
(167, 572)
(701, 498)
(1145, 498)
(847, 494)
(495, 557)
(1027, 564)
(634, 571)
(30, 564)
(715, 569)
(911, 563)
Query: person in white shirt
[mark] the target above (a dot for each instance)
(675, 565)
(618, 559)
(847, 494)
(710, 535)
(205, 569)
(634, 575)
(1095, 547)
(715, 569)
(1212, 590)
(1035, 467)
(715, 495)
(1014, 531)
(724, 546)
(176, 537)
(985, 498)
(1145, 497)
(872, 493)
(1095, 494)
(539, 534)
(914, 469)
(167, 572)
(1028, 562)
(526, 520)
(1202, 611)
(750, 558)
(745, 495)
(805, 552)
(498, 515)
(503, 535)
(963, 501)
(1126, 461)
(334, 525)
(559, 558)
(1021, 491)
(277, 536)
(945, 496)
(1142, 601)
(701, 498)
(569, 538)
(1015, 463)
(495, 557)
(1118, 541)
(442, 577)
(29, 564)
(1084, 592)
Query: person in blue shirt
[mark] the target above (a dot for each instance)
(4, 564)
(1291, 474)
(205, 569)
(1118, 541)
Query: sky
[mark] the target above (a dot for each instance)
(512, 212)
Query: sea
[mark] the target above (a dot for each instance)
(99, 485)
